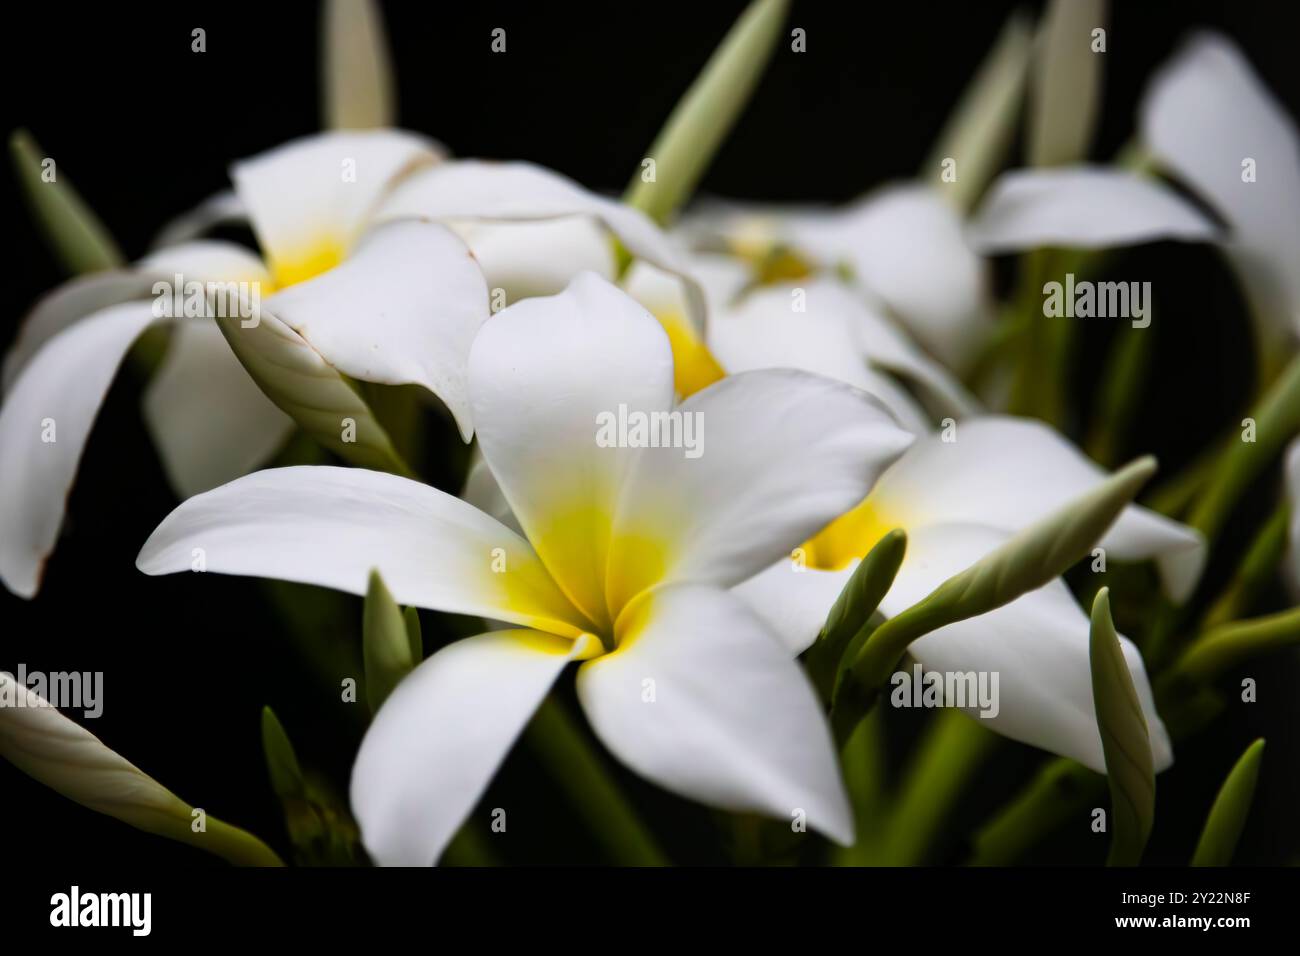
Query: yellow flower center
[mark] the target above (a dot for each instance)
(848, 537)
(307, 262)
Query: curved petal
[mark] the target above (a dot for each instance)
(1204, 115)
(542, 374)
(794, 599)
(664, 294)
(526, 259)
(1082, 207)
(208, 420)
(1008, 473)
(482, 491)
(702, 699)
(1037, 646)
(403, 309)
(780, 454)
(906, 245)
(311, 199)
(441, 735)
(332, 526)
(217, 210)
(822, 326)
(1292, 479)
(44, 423)
(475, 189)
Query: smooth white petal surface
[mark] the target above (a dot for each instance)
(440, 737)
(906, 245)
(208, 420)
(482, 491)
(526, 259)
(541, 375)
(1010, 472)
(310, 200)
(402, 309)
(475, 189)
(794, 599)
(331, 526)
(781, 454)
(729, 720)
(1037, 644)
(44, 422)
(1204, 115)
(1082, 207)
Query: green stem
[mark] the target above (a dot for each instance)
(954, 748)
(863, 761)
(1227, 645)
(1054, 795)
(1257, 567)
(1121, 388)
(581, 773)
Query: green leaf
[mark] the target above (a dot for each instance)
(356, 70)
(385, 643)
(853, 609)
(980, 130)
(312, 392)
(1067, 83)
(1029, 560)
(74, 234)
(1231, 808)
(281, 762)
(1124, 740)
(414, 635)
(706, 113)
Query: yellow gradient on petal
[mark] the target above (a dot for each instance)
(308, 262)
(848, 537)
(694, 366)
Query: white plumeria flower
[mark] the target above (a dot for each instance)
(625, 562)
(903, 247)
(818, 324)
(958, 501)
(357, 279)
(1210, 121)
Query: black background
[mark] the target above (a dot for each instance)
(146, 128)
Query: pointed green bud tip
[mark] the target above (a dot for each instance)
(387, 644)
(1231, 809)
(281, 761)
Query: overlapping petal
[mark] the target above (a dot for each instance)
(702, 699)
(441, 735)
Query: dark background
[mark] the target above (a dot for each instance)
(145, 129)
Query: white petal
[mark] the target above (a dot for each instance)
(310, 200)
(1082, 207)
(1008, 473)
(56, 395)
(474, 189)
(542, 372)
(781, 453)
(821, 326)
(440, 737)
(331, 526)
(217, 210)
(484, 493)
(70, 302)
(1204, 115)
(794, 599)
(906, 245)
(731, 721)
(1037, 645)
(208, 420)
(526, 259)
(403, 309)
(69, 759)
